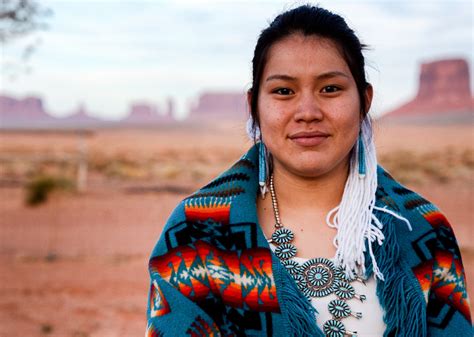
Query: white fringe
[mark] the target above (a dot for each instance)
(353, 217)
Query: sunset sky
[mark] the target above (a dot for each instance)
(108, 54)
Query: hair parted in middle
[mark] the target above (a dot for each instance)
(308, 20)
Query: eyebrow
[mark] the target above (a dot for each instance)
(329, 74)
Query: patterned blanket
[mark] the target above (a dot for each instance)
(212, 272)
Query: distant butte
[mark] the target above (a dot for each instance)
(22, 111)
(29, 112)
(444, 95)
(218, 106)
(79, 118)
(146, 113)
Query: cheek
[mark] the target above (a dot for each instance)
(348, 118)
(271, 129)
(271, 119)
(348, 133)
(347, 126)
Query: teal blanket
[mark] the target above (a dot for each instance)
(212, 272)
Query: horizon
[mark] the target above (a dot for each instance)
(88, 64)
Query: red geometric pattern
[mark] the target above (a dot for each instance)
(442, 277)
(151, 331)
(201, 269)
(424, 274)
(218, 212)
(201, 328)
(158, 304)
(448, 282)
(437, 219)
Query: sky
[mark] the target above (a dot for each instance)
(107, 54)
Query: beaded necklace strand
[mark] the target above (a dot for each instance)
(317, 277)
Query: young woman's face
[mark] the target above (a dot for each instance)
(308, 106)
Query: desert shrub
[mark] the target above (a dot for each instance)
(39, 188)
(47, 328)
(467, 158)
(98, 161)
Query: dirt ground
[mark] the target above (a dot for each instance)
(76, 266)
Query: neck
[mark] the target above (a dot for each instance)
(321, 193)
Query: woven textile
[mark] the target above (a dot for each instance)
(212, 272)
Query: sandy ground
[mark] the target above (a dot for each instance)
(77, 265)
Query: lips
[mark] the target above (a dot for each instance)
(309, 138)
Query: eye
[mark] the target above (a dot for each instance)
(330, 89)
(283, 91)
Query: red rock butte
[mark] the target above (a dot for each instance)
(444, 95)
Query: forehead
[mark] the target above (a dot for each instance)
(310, 54)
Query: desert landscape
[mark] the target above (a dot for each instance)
(75, 264)
(108, 113)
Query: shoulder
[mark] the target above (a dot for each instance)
(430, 250)
(433, 255)
(431, 235)
(201, 214)
(422, 213)
(431, 242)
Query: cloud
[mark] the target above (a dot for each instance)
(109, 52)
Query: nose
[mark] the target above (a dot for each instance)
(308, 109)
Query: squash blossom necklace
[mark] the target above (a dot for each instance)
(317, 277)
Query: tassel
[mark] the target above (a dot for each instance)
(301, 315)
(404, 306)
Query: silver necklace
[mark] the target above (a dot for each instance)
(317, 277)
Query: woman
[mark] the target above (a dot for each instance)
(306, 235)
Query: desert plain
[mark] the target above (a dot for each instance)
(76, 264)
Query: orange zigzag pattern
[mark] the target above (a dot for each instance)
(238, 280)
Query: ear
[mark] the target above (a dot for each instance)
(369, 94)
(249, 99)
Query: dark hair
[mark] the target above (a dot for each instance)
(309, 20)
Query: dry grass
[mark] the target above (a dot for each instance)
(442, 166)
(410, 167)
(91, 248)
(193, 166)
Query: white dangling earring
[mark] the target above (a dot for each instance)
(263, 167)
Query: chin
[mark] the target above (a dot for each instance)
(310, 170)
(314, 167)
